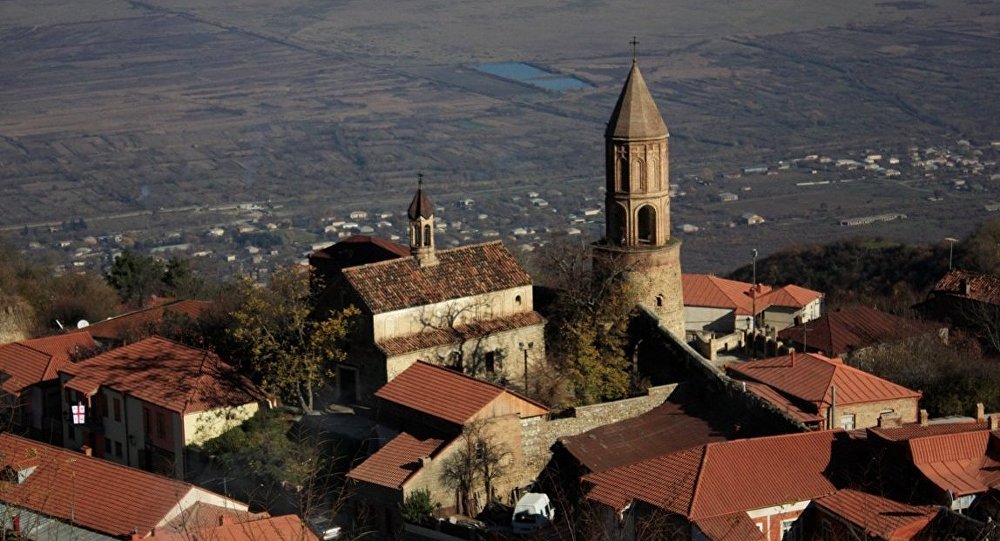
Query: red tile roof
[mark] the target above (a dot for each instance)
(456, 398)
(791, 296)
(205, 515)
(957, 462)
(724, 477)
(714, 292)
(970, 285)
(916, 430)
(808, 377)
(395, 462)
(439, 337)
(283, 528)
(732, 527)
(853, 327)
(388, 248)
(123, 326)
(95, 494)
(461, 272)
(665, 429)
(37, 360)
(166, 373)
(877, 516)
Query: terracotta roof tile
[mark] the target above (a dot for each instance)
(165, 373)
(721, 478)
(957, 462)
(841, 331)
(283, 528)
(456, 398)
(970, 285)
(205, 515)
(808, 377)
(388, 247)
(877, 516)
(732, 527)
(40, 359)
(395, 462)
(465, 271)
(98, 495)
(439, 337)
(120, 327)
(665, 429)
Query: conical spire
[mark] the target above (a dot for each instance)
(635, 115)
(420, 207)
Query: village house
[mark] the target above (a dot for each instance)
(469, 308)
(29, 381)
(822, 392)
(51, 493)
(723, 306)
(967, 299)
(424, 410)
(145, 403)
(854, 514)
(853, 329)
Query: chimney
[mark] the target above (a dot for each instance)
(225, 520)
(980, 412)
(994, 421)
(87, 450)
(791, 354)
(889, 421)
(923, 417)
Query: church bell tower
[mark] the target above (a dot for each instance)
(421, 215)
(637, 245)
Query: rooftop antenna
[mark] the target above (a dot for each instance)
(635, 49)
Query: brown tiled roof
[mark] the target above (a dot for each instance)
(981, 287)
(665, 429)
(205, 515)
(390, 249)
(808, 377)
(877, 516)
(916, 430)
(635, 115)
(785, 404)
(394, 463)
(461, 272)
(283, 528)
(438, 337)
(166, 373)
(120, 327)
(853, 327)
(95, 494)
(958, 463)
(732, 527)
(721, 478)
(456, 398)
(40, 359)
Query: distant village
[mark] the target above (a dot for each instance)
(747, 415)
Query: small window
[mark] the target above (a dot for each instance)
(659, 301)
(427, 235)
(847, 422)
(490, 362)
(517, 300)
(161, 430)
(118, 410)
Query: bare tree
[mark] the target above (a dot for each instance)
(480, 461)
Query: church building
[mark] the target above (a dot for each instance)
(468, 308)
(637, 247)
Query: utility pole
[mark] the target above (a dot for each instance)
(753, 292)
(951, 249)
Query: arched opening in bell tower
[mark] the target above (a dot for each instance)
(647, 225)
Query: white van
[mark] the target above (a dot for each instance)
(532, 512)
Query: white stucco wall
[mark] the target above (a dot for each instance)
(204, 425)
(462, 311)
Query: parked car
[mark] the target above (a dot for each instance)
(532, 512)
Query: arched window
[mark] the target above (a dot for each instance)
(647, 225)
(517, 300)
(654, 174)
(427, 235)
(616, 233)
(415, 235)
(639, 175)
(659, 300)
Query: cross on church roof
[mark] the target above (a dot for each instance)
(420, 180)
(635, 48)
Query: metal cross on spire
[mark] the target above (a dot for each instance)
(635, 49)
(420, 180)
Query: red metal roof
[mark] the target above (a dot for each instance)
(957, 462)
(809, 377)
(40, 359)
(665, 429)
(841, 331)
(447, 394)
(732, 527)
(877, 516)
(124, 326)
(165, 373)
(95, 494)
(395, 462)
(791, 296)
(783, 403)
(461, 272)
(438, 337)
(916, 430)
(714, 292)
(335, 250)
(724, 477)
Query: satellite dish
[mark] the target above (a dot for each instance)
(82, 324)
